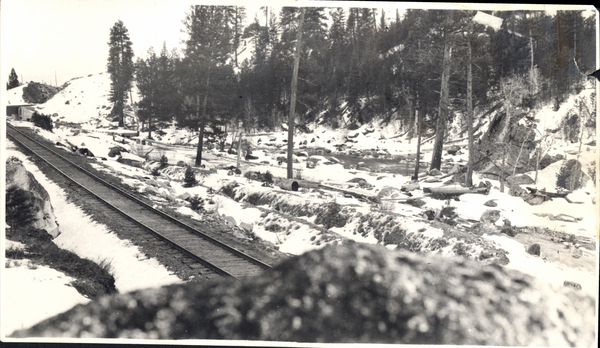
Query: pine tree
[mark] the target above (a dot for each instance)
(155, 78)
(208, 48)
(120, 67)
(13, 80)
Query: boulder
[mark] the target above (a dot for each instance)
(534, 249)
(490, 215)
(516, 190)
(521, 179)
(548, 160)
(114, 151)
(353, 293)
(509, 231)
(453, 150)
(435, 172)
(246, 226)
(491, 203)
(389, 192)
(184, 196)
(416, 202)
(230, 220)
(411, 186)
(571, 175)
(152, 190)
(534, 199)
(85, 151)
(27, 201)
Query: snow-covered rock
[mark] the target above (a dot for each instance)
(35, 200)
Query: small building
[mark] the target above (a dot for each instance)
(20, 111)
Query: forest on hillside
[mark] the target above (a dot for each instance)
(356, 66)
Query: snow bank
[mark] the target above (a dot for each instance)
(537, 267)
(31, 295)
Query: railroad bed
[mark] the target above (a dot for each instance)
(216, 256)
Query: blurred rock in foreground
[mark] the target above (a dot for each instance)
(350, 293)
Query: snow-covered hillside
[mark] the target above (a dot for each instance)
(14, 96)
(84, 100)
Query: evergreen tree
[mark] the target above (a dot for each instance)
(208, 48)
(155, 78)
(120, 67)
(13, 80)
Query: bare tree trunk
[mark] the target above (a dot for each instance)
(202, 122)
(502, 169)
(150, 121)
(239, 148)
(469, 176)
(532, 76)
(224, 139)
(418, 158)
(291, 120)
(436, 157)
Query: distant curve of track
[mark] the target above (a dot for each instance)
(211, 253)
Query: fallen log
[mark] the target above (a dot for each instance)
(456, 190)
(549, 194)
(537, 192)
(352, 193)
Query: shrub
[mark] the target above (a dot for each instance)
(196, 203)
(534, 249)
(229, 189)
(19, 207)
(330, 216)
(155, 171)
(509, 231)
(190, 177)
(396, 236)
(164, 161)
(42, 121)
(268, 177)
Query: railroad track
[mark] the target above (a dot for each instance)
(202, 248)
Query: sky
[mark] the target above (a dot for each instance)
(53, 41)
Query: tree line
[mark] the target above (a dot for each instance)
(421, 69)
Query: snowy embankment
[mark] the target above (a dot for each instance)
(33, 292)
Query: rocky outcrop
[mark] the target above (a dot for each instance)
(28, 203)
(571, 175)
(348, 293)
(38, 93)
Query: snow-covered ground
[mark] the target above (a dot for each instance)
(33, 293)
(296, 236)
